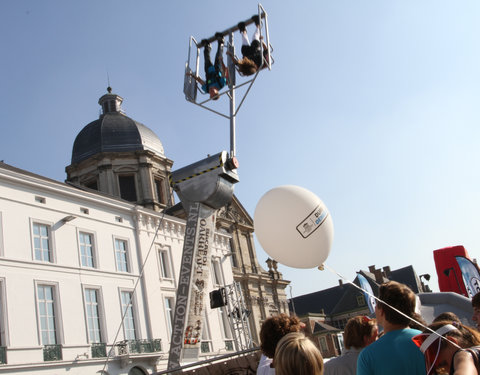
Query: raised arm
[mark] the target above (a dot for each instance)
(234, 59)
(198, 79)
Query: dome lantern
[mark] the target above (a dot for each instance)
(111, 103)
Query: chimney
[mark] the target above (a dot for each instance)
(340, 282)
(371, 269)
(386, 271)
(378, 276)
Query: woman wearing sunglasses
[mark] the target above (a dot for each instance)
(452, 349)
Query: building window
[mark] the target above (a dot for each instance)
(46, 312)
(226, 330)
(42, 242)
(160, 190)
(3, 320)
(87, 250)
(323, 345)
(1, 235)
(169, 311)
(206, 343)
(234, 255)
(340, 342)
(251, 252)
(164, 263)
(361, 300)
(92, 309)
(121, 255)
(128, 314)
(127, 188)
(217, 273)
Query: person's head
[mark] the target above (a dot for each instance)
(359, 332)
(213, 91)
(297, 355)
(447, 316)
(273, 329)
(440, 347)
(247, 67)
(401, 298)
(476, 309)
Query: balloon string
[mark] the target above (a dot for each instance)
(323, 266)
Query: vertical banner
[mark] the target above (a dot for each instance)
(191, 290)
(368, 292)
(470, 275)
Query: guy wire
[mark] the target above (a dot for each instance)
(134, 289)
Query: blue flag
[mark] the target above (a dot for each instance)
(470, 275)
(368, 292)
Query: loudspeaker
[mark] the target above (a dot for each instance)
(218, 298)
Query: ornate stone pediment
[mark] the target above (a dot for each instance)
(235, 212)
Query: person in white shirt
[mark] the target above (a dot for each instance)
(272, 331)
(360, 331)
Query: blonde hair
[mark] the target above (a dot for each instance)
(297, 355)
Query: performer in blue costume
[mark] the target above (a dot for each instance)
(215, 74)
(394, 352)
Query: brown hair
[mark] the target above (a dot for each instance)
(246, 66)
(447, 316)
(400, 297)
(476, 300)
(357, 329)
(273, 329)
(297, 355)
(466, 336)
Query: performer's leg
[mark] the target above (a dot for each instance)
(256, 35)
(245, 41)
(219, 55)
(206, 55)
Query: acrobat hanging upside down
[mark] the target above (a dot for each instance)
(252, 52)
(215, 74)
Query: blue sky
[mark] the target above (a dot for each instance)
(372, 105)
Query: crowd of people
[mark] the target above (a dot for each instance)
(404, 345)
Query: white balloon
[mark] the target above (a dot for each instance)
(294, 226)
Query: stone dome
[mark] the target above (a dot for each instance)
(114, 132)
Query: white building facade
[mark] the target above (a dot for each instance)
(74, 263)
(89, 268)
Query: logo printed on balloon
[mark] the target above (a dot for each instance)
(312, 222)
(294, 227)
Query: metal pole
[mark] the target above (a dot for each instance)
(231, 68)
(291, 299)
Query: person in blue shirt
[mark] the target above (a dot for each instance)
(394, 352)
(215, 73)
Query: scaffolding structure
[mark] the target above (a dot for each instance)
(238, 317)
